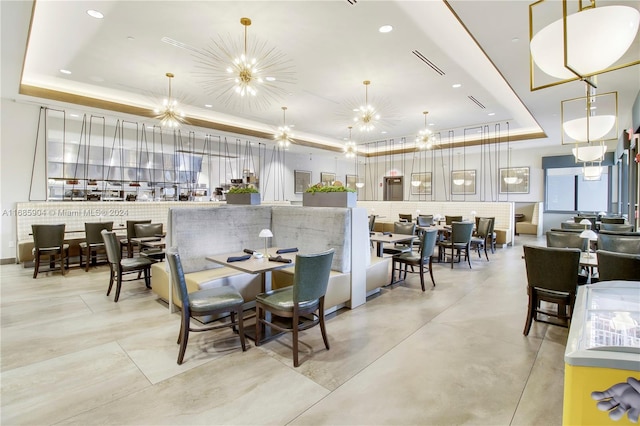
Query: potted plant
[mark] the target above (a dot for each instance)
(248, 195)
(336, 195)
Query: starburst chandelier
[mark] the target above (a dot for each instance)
(350, 147)
(284, 135)
(366, 116)
(424, 139)
(245, 74)
(169, 113)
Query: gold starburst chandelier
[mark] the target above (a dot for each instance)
(366, 116)
(424, 139)
(350, 147)
(245, 74)
(284, 135)
(169, 113)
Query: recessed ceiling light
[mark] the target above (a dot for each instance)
(65, 71)
(492, 113)
(515, 39)
(130, 38)
(385, 29)
(432, 124)
(208, 105)
(95, 14)
(74, 115)
(383, 132)
(270, 78)
(455, 86)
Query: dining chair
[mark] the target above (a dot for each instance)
(211, 301)
(93, 244)
(552, 277)
(612, 220)
(616, 227)
(618, 266)
(576, 226)
(305, 298)
(120, 267)
(423, 258)
(131, 233)
(619, 242)
(405, 217)
(459, 241)
(483, 235)
(404, 228)
(448, 220)
(566, 240)
(48, 240)
(372, 222)
(424, 220)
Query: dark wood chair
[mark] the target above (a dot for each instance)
(448, 220)
(423, 258)
(616, 227)
(404, 228)
(93, 244)
(483, 235)
(613, 220)
(618, 266)
(48, 240)
(131, 233)
(459, 241)
(552, 276)
(212, 301)
(619, 242)
(305, 298)
(566, 240)
(121, 267)
(405, 217)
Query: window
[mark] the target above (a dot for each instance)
(568, 191)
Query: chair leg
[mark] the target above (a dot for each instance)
(240, 320)
(452, 253)
(422, 276)
(258, 324)
(323, 328)
(485, 252)
(431, 271)
(118, 284)
(294, 326)
(111, 276)
(37, 265)
(530, 313)
(147, 276)
(183, 338)
(467, 255)
(63, 259)
(86, 267)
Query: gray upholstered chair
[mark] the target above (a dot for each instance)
(483, 235)
(613, 220)
(552, 276)
(459, 241)
(618, 266)
(619, 242)
(424, 220)
(404, 228)
(405, 217)
(616, 227)
(93, 244)
(305, 298)
(421, 259)
(566, 240)
(48, 240)
(121, 267)
(448, 220)
(575, 226)
(590, 218)
(211, 301)
(131, 233)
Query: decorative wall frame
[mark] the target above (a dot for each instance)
(514, 180)
(327, 178)
(424, 187)
(350, 181)
(301, 180)
(463, 182)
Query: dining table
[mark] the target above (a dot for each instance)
(385, 237)
(262, 265)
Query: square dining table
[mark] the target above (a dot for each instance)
(381, 238)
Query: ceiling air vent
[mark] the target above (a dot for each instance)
(477, 102)
(352, 1)
(428, 62)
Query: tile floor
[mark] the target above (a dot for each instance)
(454, 354)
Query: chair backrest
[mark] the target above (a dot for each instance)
(619, 243)
(424, 220)
(311, 276)
(405, 217)
(580, 218)
(618, 266)
(483, 227)
(614, 220)
(616, 227)
(573, 225)
(552, 268)
(147, 229)
(131, 231)
(448, 220)
(461, 232)
(45, 236)
(111, 246)
(177, 276)
(372, 222)
(575, 231)
(567, 240)
(93, 231)
(428, 243)
(405, 228)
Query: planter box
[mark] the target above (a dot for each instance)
(249, 198)
(329, 199)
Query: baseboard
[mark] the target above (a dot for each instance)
(8, 261)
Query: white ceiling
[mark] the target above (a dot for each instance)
(332, 45)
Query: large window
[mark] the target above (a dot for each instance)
(568, 191)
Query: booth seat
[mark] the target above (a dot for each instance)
(198, 233)
(531, 223)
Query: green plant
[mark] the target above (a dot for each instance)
(238, 190)
(321, 188)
